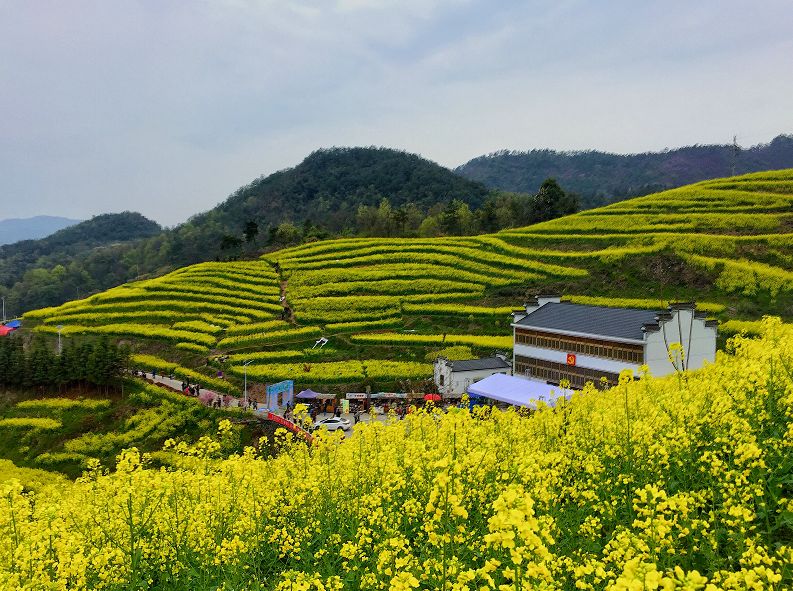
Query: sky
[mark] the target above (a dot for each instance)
(166, 106)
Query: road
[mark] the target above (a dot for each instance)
(208, 396)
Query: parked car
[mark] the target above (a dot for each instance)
(333, 423)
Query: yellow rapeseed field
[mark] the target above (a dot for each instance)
(679, 483)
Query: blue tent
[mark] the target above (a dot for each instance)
(14, 324)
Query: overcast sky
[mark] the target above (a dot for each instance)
(167, 106)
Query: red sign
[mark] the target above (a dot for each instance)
(282, 421)
(570, 359)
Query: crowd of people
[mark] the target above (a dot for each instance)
(357, 409)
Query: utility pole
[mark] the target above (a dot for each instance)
(4, 309)
(60, 326)
(735, 150)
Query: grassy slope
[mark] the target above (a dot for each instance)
(96, 425)
(725, 242)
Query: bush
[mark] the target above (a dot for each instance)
(390, 338)
(456, 353)
(270, 338)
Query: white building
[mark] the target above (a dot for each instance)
(453, 377)
(555, 340)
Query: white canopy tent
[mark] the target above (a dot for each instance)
(517, 391)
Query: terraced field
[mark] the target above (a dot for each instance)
(189, 308)
(54, 436)
(386, 304)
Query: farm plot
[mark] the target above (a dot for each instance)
(726, 243)
(191, 306)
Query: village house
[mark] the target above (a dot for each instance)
(452, 378)
(556, 340)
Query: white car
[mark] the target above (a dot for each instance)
(333, 423)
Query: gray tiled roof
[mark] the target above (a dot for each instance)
(477, 364)
(621, 323)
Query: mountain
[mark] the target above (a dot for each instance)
(388, 307)
(16, 229)
(333, 192)
(600, 177)
(51, 270)
(327, 188)
(723, 243)
(331, 184)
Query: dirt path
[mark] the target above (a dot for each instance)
(288, 314)
(206, 395)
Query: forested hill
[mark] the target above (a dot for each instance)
(600, 178)
(49, 270)
(331, 184)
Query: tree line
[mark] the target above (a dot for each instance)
(499, 211)
(99, 363)
(600, 178)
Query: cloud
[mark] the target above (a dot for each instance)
(167, 107)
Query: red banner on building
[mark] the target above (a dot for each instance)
(570, 359)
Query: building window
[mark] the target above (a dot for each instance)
(554, 373)
(594, 347)
(441, 379)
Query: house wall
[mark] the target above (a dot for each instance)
(698, 340)
(441, 369)
(456, 383)
(588, 361)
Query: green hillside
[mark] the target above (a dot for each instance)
(319, 197)
(15, 229)
(50, 270)
(601, 177)
(63, 434)
(387, 305)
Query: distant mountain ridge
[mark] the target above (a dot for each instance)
(44, 270)
(16, 229)
(600, 177)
